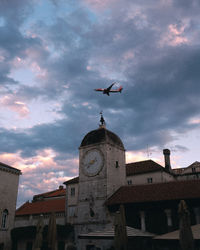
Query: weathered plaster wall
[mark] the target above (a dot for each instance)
(8, 197)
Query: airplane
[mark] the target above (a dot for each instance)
(108, 90)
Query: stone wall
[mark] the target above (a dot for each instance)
(157, 177)
(8, 196)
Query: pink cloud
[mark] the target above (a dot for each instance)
(195, 121)
(19, 62)
(134, 156)
(40, 73)
(30, 62)
(174, 36)
(13, 103)
(43, 163)
(10, 159)
(153, 154)
(40, 173)
(89, 68)
(174, 30)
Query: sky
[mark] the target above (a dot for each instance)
(54, 53)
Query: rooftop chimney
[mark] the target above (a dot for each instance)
(166, 153)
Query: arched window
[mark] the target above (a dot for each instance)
(4, 218)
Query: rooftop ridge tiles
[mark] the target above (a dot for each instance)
(173, 190)
(39, 207)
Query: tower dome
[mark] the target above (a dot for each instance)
(101, 135)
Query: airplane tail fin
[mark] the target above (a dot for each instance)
(120, 89)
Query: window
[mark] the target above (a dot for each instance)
(149, 180)
(4, 219)
(193, 170)
(117, 164)
(72, 211)
(129, 182)
(73, 191)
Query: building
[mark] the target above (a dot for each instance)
(103, 171)
(147, 172)
(27, 216)
(149, 192)
(154, 207)
(46, 203)
(9, 179)
(189, 173)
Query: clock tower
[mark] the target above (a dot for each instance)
(101, 172)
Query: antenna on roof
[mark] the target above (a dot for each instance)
(148, 152)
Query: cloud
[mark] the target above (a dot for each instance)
(99, 5)
(16, 11)
(12, 103)
(152, 50)
(46, 172)
(174, 36)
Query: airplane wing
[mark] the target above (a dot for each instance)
(109, 88)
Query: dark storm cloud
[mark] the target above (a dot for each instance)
(13, 14)
(168, 86)
(164, 96)
(161, 83)
(15, 11)
(13, 43)
(63, 136)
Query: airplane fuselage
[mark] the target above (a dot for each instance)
(108, 90)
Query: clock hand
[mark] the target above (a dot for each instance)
(93, 161)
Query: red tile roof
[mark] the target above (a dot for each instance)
(143, 167)
(42, 207)
(55, 193)
(175, 190)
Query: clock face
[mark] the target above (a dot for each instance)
(93, 162)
